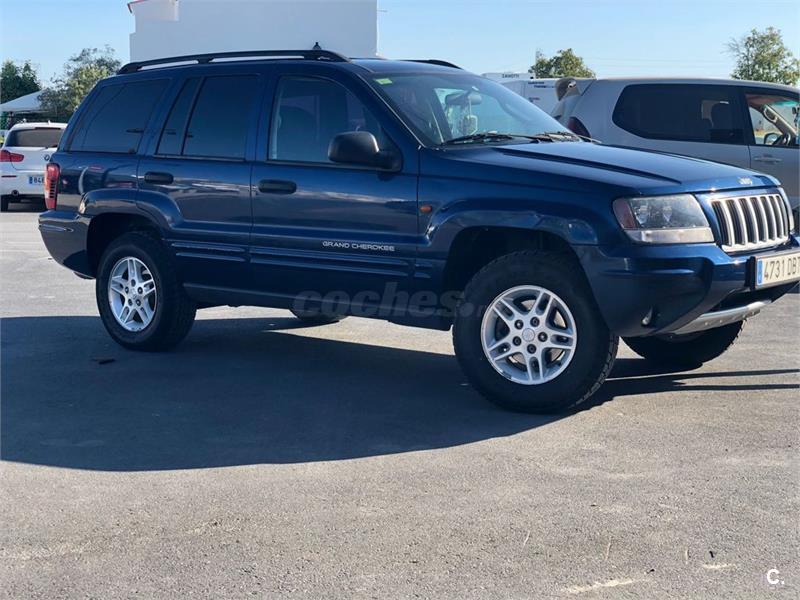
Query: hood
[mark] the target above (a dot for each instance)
(574, 164)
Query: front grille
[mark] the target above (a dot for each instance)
(751, 222)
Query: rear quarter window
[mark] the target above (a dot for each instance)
(117, 116)
(681, 112)
(41, 137)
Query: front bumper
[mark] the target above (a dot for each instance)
(646, 290)
(722, 317)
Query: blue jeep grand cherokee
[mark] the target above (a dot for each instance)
(414, 192)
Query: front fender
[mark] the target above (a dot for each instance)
(445, 225)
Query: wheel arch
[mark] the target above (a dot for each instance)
(105, 227)
(474, 247)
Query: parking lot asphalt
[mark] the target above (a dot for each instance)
(265, 458)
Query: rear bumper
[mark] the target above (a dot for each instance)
(677, 289)
(64, 234)
(18, 183)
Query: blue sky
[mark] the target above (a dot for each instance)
(616, 37)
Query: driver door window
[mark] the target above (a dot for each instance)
(773, 148)
(309, 112)
(774, 119)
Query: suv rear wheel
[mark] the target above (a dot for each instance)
(689, 350)
(529, 336)
(141, 302)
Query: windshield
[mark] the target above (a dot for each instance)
(442, 107)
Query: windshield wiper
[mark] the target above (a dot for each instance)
(485, 136)
(557, 136)
(570, 135)
(489, 136)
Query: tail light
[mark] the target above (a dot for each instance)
(575, 126)
(51, 177)
(6, 156)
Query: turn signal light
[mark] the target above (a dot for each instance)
(51, 176)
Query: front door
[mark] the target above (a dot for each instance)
(322, 229)
(199, 175)
(774, 145)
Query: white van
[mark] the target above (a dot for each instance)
(540, 92)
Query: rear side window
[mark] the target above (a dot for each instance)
(221, 117)
(41, 137)
(683, 112)
(174, 132)
(117, 117)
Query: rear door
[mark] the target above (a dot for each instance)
(100, 158)
(773, 136)
(702, 121)
(198, 175)
(322, 227)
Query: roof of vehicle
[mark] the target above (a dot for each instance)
(383, 65)
(373, 65)
(38, 125)
(690, 80)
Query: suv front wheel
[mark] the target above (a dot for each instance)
(529, 336)
(141, 302)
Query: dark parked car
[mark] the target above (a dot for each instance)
(410, 191)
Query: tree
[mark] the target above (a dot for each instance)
(80, 75)
(17, 80)
(762, 56)
(565, 63)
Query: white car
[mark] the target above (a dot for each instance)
(25, 152)
(744, 123)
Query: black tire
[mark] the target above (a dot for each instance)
(4, 203)
(174, 310)
(690, 350)
(314, 317)
(594, 353)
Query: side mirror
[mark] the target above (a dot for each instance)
(361, 148)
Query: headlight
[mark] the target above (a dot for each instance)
(663, 219)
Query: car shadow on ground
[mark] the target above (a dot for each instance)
(249, 391)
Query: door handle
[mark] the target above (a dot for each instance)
(770, 160)
(276, 186)
(161, 178)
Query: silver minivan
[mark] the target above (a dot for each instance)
(745, 123)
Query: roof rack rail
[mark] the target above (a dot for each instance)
(434, 61)
(203, 59)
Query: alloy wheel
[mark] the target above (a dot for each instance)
(132, 294)
(529, 335)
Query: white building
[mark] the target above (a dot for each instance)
(178, 27)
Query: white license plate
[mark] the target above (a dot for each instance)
(36, 180)
(781, 268)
